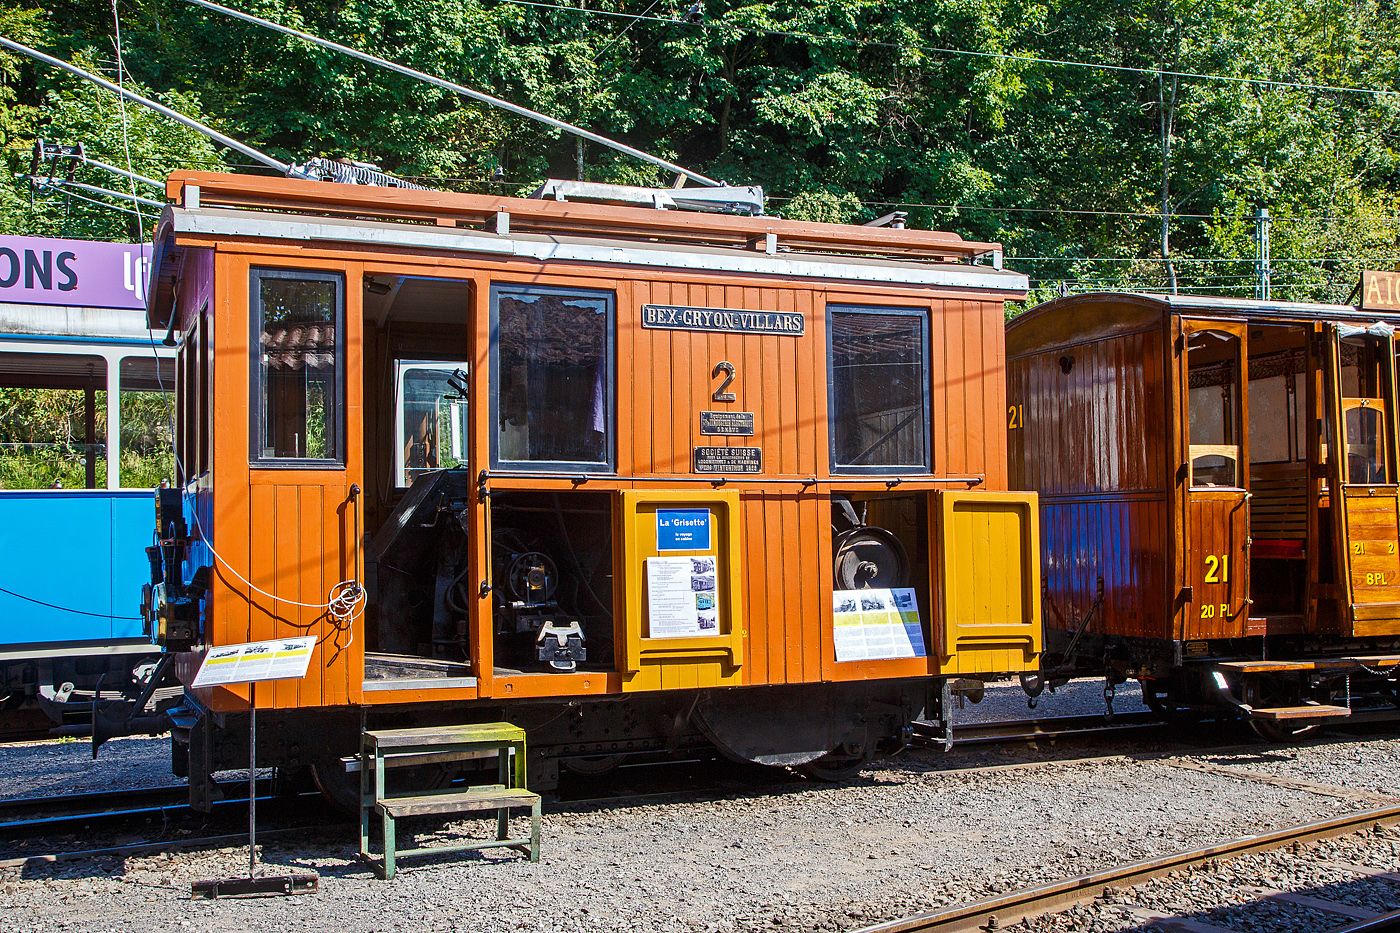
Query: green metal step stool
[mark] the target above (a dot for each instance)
(382, 749)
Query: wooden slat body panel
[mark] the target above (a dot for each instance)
(1215, 565)
(1092, 439)
(1119, 539)
(288, 532)
(1373, 564)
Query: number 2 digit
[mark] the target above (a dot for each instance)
(1212, 565)
(726, 367)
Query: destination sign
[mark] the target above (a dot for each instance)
(1380, 291)
(728, 459)
(724, 320)
(727, 423)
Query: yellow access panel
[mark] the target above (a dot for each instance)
(684, 625)
(986, 581)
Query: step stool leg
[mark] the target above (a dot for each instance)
(503, 823)
(389, 840)
(535, 831)
(364, 809)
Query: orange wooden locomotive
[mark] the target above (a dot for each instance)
(1218, 493)
(638, 480)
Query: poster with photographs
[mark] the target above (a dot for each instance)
(873, 625)
(682, 597)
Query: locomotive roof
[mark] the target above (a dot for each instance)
(1201, 306)
(211, 206)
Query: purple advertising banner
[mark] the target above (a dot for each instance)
(79, 273)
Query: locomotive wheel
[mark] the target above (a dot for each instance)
(840, 765)
(341, 788)
(1166, 704)
(1278, 732)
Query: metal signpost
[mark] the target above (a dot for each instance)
(275, 659)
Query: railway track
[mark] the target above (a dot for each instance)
(32, 813)
(1018, 730)
(42, 829)
(1005, 910)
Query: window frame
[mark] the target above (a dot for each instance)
(401, 367)
(924, 314)
(609, 464)
(255, 403)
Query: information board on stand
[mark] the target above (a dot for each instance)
(252, 663)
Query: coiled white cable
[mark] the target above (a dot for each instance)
(345, 601)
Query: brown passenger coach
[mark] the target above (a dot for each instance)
(640, 480)
(1218, 494)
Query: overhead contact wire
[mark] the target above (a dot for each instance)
(1005, 56)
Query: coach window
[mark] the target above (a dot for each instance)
(1214, 408)
(1366, 379)
(552, 373)
(146, 403)
(298, 369)
(879, 390)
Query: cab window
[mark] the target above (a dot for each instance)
(552, 378)
(879, 389)
(430, 418)
(298, 374)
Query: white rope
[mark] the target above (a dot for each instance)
(344, 602)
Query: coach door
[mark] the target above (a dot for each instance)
(1361, 400)
(1217, 498)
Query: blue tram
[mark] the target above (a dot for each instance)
(85, 419)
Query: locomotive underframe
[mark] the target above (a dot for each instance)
(1179, 678)
(775, 725)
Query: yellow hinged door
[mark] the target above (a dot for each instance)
(684, 622)
(986, 581)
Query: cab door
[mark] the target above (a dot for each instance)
(1216, 552)
(1361, 397)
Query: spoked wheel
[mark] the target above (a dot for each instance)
(840, 765)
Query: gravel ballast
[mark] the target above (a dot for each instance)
(920, 831)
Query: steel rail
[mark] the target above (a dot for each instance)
(1007, 909)
(100, 803)
(1013, 730)
(41, 816)
(1383, 922)
(150, 848)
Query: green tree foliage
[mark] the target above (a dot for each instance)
(960, 111)
(43, 438)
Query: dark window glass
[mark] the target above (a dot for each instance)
(879, 386)
(554, 381)
(298, 328)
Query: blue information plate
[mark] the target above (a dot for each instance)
(682, 529)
